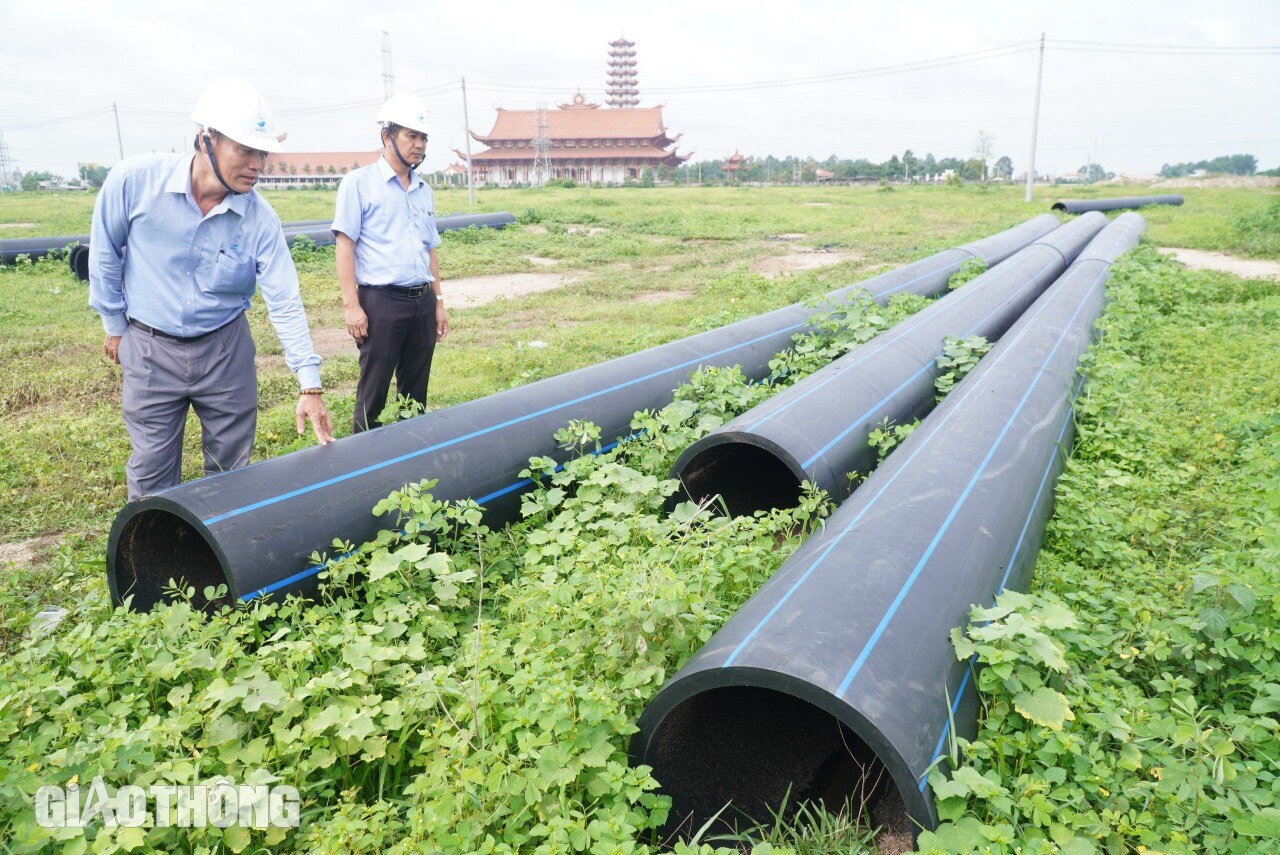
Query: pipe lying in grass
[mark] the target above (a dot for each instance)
(1118, 203)
(39, 247)
(818, 429)
(317, 231)
(850, 638)
(254, 529)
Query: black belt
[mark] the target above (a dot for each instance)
(185, 339)
(403, 290)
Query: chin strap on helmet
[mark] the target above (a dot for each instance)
(411, 166)
(213, 161)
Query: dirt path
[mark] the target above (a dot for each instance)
(800, 259)
(459, 294)
(1247, 268)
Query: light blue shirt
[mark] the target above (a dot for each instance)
(187, 273)
(394, 229)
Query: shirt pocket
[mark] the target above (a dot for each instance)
(427, 226)
(233, 274)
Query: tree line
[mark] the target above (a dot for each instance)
(906, 167)
(1227, 164)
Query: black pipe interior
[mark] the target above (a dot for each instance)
(746, 477)
(156, 546)
(754, 749)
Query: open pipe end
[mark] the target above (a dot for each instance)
(764, 753)
(152, 545)
(747, 477)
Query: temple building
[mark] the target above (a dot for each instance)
(580, 140)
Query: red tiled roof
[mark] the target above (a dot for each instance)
(341, 161)
(631, 123)
(580, 153)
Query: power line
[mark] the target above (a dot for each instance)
(44, 123)
(1166, 47)
(1145, 52)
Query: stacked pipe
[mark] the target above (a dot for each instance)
(317, 231)
(1115, 203)
(848, 643)
(818, 429)
(254, 529)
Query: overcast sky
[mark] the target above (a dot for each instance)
(1131, 111)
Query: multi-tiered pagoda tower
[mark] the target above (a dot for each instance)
(622, 74)
(584, 142)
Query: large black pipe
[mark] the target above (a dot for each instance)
(39, 247)
(818, 429)
(317, 231)
(837, 673)
(255, 528)
(453, 222)
(1117, 203)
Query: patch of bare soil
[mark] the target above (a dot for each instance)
(478, 290)
(787, 237)
(585, 230)
(800, 259)
(818, 204)
(1222, 181)
(539, 261)
(460, 294)
(661, 296)
(17, 225)
(536, 230)
(1246, 268)
(22, 552)
(333, 342)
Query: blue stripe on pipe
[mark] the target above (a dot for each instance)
(955, 705)
(696, 360)
(858, 421)
(316, 568)
(487, 430)
(905, 328)
(1026, 525)
(924, 559)
(858, 516)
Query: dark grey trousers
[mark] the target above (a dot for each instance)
(401, 341)
(162, 378)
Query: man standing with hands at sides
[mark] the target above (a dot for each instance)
(385, 235)
(199, 242)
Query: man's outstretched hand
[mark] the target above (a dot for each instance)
(311, 408)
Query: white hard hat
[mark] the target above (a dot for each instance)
(406, 110)
(237, 110)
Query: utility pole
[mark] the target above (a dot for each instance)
(119, 140)
(6, 164)
(388, 75)
(466, 135)
(1035, 123)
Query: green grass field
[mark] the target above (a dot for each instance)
(1164, 507)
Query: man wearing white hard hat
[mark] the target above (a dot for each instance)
(178, 246)
(384, 227)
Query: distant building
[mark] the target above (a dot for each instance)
(612, 145)
(823, 174)
(312, 169)
(733, 163)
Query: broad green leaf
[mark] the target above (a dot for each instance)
(1045, 707)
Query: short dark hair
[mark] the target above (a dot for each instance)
(392, 129)
(195, 142)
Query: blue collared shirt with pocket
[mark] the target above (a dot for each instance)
(155, 258)
(394, 228)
